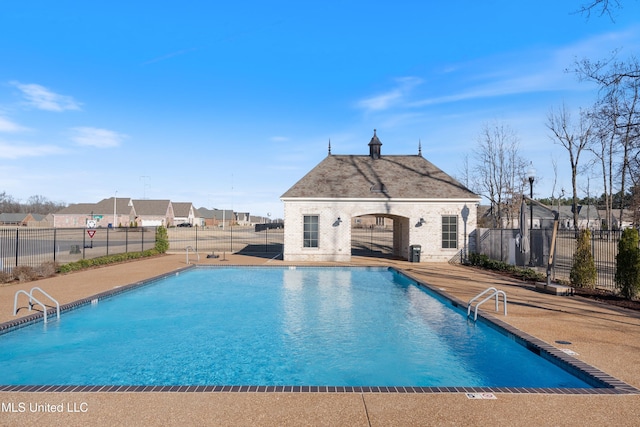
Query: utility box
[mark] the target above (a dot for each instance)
(414, 253)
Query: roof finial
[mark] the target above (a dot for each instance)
(419, 147)
(329, 146)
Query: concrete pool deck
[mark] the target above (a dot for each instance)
(603, 336)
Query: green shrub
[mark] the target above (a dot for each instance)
(162, 240)
(628, 264)
(105, 260)
(583, 271)
(483, 261)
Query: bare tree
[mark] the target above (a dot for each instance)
(8, 204)
(605, 118)
(499, 171)
(554, 166)
(35, 205)
(575, 138)
(619, 113)
(464, 174)
(41, 205)
(601, 7)
(608, 73)
(629, 129)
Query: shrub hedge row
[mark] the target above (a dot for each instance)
(161, 246)
(104, 260)
(523, 273)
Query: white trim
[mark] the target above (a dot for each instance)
(373, 200)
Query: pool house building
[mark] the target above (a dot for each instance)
(432, 213)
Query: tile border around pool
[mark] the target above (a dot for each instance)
(610, 385)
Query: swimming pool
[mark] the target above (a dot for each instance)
(345, 327)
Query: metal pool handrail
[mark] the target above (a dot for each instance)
(32, 298)
(494, 292)
(196, 252)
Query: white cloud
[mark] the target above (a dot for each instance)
(43, 99)
(8, 126)
(601, 46)
(534, 71)
(391, 98)
(510, 73)
(15, 150)
(278, 139)
(94, 137)
(169, 56)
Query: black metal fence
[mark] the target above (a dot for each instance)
(375, 241)
(233, 239)
(34, 246)
(501, 245)
(372, 241)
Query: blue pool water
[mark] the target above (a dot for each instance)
(273, 326)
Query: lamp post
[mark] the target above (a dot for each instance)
(531, 174)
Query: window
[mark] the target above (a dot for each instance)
(310, 231)
(449, 232)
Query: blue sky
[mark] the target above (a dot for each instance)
(228, 104)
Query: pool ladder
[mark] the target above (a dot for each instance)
(32, 299)
(494, 292)
(192, 250)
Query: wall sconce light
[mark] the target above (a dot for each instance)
(337, 222)
(419, 223)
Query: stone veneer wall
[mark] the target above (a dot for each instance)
(335, 239)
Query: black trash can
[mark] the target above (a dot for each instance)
(414, 253)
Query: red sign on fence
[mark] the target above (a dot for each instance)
(91, 233)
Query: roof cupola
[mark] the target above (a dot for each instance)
(374, 146)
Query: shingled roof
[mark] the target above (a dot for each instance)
(151, 207)
(386, 177)
(182, 209)
(103, 207)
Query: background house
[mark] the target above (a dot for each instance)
(109, 212)
(217, 217)
(153, 213)
(184, 213)
(588, 217)
(118, 212)
(21, 219)
(371, 221)
(628, 219)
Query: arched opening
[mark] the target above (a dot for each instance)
(379, 236)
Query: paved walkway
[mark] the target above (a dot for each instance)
(603, 336)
